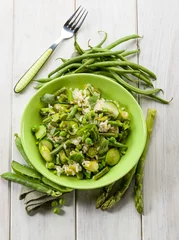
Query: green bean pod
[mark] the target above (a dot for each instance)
(132, 88)
(55, 186)
(125, 63)
(29, 183)
(81, 57)
(65, 69)
(121, 40)
(78, 48)
(127, 53)
(101, 173)
(19, 146)
(24, 170)
(43, 80)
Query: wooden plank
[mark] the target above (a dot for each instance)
(6, 43)
(37, 24)
(158, 22)
(121, 222)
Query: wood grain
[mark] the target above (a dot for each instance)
(6, 44)
(36, 25)
(117, 18)
(158, 22)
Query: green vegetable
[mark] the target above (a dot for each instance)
(48, 98)
(54, 204)
(45, 152)
(112, 157)
(91, 166)
(41, 132)
(56, 210)
(47, 143)
(19, 146)
(151, 114)
(28, 182)
(103, 195)
(50, 165)
(92, 100)
(73, 112)
(62, 201)
(55, 186)
(123, 186)
(101, 173)
(24, 170)
(81, 57)
(121, 40)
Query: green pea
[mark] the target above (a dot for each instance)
(54, 204)
(56, 210)
(50, 165)
(63, 133)
(62, 201)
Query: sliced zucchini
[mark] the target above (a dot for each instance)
(45, 152)
(41, 132)
(46, 143)
(110, 107)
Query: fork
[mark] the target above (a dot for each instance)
(69, 29)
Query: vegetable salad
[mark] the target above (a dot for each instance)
(81, 133)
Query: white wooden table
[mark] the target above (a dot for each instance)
(27, 28)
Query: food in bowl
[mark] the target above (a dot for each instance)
(81, 134)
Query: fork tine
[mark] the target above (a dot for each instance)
(67, 22)
(76, 28)
(72, 22)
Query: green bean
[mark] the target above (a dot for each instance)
(107, 134)
(19, 146)
(58, 92)
(24, 170)
(70, 95)
(65, 69)
(101, 173)
(47, 119)
(38, 86)
(117, 144)
(134, 89)
(99, 44)
(125, 76)
(29, 183)
(55, 186)
(103, 40)
(82, 67)
(57, 150)
(62, 59)
(43, 80)
(127, 53)
(105, 73)
(161, 100)
(121, 70)
(125, 63)
(73, 112)
(81, 57)
(78, 48)
(142, 76)
(116, 123)
(121, 40)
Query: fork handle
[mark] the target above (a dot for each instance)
(33, 70)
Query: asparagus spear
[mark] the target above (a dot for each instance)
(126, 180)
(138, 198)
(103, 195)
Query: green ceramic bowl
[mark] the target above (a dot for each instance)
(110, 90)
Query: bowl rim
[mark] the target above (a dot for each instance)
(92, 183)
